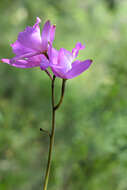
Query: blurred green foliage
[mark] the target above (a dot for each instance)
(91, 133)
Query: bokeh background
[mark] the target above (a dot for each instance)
(90, 150)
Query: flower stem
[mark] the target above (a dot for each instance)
(48, 73)
(62, 94)
(51, 135)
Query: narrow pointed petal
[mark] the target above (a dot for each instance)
(25, 55)
(52, 33)
(77, 68)
(4, 60)
(78, 47)
(24, 64)
(29, 63)
(46, 35)
(19, 63)
(29, 40)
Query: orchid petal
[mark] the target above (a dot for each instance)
(65, 59)
(4, 60)
(78, 47)
(58, 72)
(46, 35)
(28, 63)
(77, 68)
(29, 40)
(60, 61)
(19, 63)
(26, 55)
(53, 55)
(52, 33)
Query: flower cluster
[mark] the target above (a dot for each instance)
(33, 49)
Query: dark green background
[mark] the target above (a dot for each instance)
(91, 130)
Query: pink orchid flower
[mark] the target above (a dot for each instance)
(31, 47)
(62, 62)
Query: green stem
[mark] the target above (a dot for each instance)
(51, 140)
(62, 94)
(54, 108)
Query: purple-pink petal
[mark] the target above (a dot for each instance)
(52, 54)
(19, 63)
(60, 61)
(58, 72)
(46, 35)
(19, 49)
(29, 40)
(25, 55)
(28, 63)
(77, 68)
(65, 59)
(38, 21)
(52, 33)
(5, 61)
(65, 54)
(78, 47)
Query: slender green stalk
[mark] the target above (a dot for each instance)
(51, 135)
(62, 94)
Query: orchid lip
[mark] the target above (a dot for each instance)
(25, 56)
